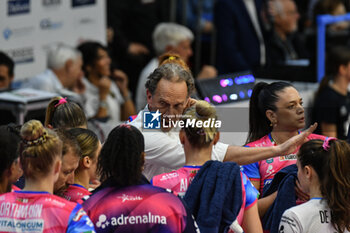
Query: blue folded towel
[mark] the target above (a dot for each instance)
(284, 182)
(215, 196)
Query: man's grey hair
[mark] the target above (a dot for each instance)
(169, 34)
(59, 54)
(278, 7)
(171, 72)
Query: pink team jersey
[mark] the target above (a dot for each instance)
(265, 170)
(36, 212)
(15, 188)
(179, 180)
(75, 193)
(138, 208)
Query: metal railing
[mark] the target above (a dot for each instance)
(322, 22)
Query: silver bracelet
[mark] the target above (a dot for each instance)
(103, 104)
(128, 97)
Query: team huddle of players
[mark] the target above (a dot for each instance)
(72, 183)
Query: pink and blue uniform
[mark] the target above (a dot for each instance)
(138, 208)
(15, 188)
(179, 180)
(264, 171)
(36, 212)
(75, 193)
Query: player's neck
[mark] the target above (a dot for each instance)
(315, 191)
(340, 85)
(197, 156)
(280, 32)
(4, 186)
(45, 184)
(280, 136)
(82, 178)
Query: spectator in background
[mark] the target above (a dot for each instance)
(63, 74)
(10, 170)
(6, 78)
(174, 38)
(303, 9)
(107, 95)
(331, 7)
(132, 23)
(240, 38)
(284, 42)
(6, 72)
(332, 100)
(206, 21)
(202, 24)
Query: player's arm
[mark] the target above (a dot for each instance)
(251, 220)
(247, 155)
(265, 203)
(79, 222)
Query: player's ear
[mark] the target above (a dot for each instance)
(216, 138)
(149, 98)
(182, 136)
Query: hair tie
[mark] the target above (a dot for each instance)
(125, 126)
(199, 116)
(35, 142)
(172, 58)
(326, 143)
(61, 101)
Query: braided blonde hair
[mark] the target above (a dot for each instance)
(38, 149)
